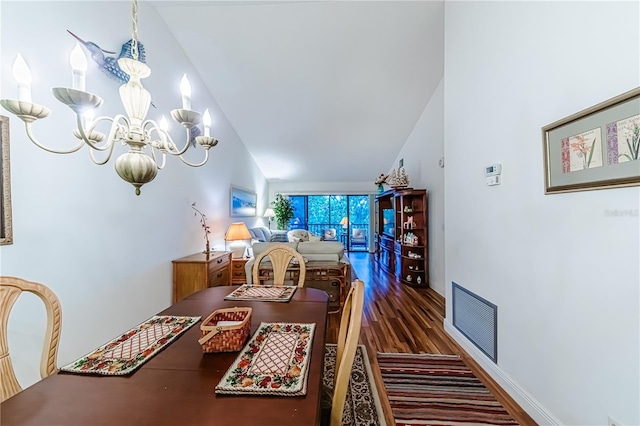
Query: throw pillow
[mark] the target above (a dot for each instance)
(279, 237)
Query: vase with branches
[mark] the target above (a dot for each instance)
(283, 208)
(205, 227)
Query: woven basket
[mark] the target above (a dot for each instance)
(227, 338)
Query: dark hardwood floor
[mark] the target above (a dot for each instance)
(399, 318)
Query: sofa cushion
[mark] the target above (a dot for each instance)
(321, 247)
(260, 247)
(256, 234)
(314, 238)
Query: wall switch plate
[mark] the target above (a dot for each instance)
(441, 162)
(493, 180)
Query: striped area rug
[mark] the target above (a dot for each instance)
(426, 389)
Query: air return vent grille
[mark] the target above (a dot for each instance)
(477, 319)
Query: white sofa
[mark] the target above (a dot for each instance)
(310, 250)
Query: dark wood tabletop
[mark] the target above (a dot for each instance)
(176, 387)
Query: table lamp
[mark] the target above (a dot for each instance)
(237, 233)
(345, 224)
(269, 213)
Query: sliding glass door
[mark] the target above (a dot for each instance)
(343, 218)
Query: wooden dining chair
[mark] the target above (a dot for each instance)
(10, 290)
(348, 335)
(280, 256)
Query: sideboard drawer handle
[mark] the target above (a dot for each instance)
(219, 274)
(220, 260)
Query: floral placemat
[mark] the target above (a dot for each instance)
(266, 293)
(274, 362)
(126, 353)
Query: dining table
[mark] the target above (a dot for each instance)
(177, 385)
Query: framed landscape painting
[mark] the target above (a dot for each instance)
(6, 227)
(243, 202)
(595, 148)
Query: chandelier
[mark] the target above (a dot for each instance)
(134, 166)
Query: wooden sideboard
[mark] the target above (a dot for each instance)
(199, 271)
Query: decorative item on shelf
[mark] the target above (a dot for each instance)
(398, 178)
(409, 278)
(408, 209)
(237, 233)
(269, 213)
(134, 166)
(380, 181)
(411, 267)
(409, 238)
(419, 280)
(205, 227)
(283, 208)
(409, 224)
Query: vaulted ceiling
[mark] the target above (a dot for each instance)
(317, 91)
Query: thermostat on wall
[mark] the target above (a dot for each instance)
(492, 174)
(493, 170)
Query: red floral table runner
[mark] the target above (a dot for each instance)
(274, 362)
(266, 293)
(128, 352)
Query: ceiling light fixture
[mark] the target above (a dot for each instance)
(134, 166)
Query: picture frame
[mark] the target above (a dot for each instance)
(6, 223)
(243, 202)
(597, 148)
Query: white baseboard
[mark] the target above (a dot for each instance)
(526, 401)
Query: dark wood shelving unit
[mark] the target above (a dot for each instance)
(401, 237)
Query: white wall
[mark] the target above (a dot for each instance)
(421, 154)
(79, 228)
(564, 275)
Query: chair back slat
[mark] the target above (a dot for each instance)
(348, 335)
(280, 256)
(10, 290)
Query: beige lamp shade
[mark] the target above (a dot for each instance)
(237, 232)
(344, 222)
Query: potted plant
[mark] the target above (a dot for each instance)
(283, 208)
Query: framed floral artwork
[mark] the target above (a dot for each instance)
(6, 226)
(596, 148)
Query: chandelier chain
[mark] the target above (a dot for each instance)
(134, 35)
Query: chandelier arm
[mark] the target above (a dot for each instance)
(106, 160)
(206, 158)
(164, 158)
(95, 145)
(184, 149)
(54, 151)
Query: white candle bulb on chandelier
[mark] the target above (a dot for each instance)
(206, 120)
(78, 63)
(22, 75)
(185, 89)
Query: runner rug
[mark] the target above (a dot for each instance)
(362, 406)
(427, 389)
(266, 293)
(128, 352)
(274, 362)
